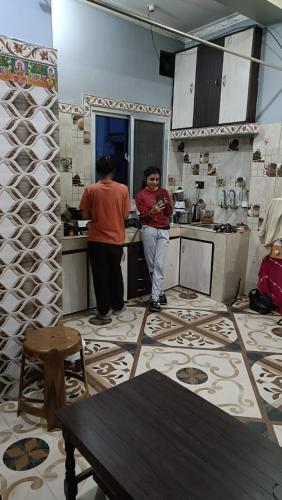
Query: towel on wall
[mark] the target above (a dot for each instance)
(271, 229)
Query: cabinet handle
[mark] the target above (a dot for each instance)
(224, 81)
(140, 279)
(141, 289)
(216, 82)
(191, 88)
(140, 258)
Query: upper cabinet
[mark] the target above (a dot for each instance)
(184, 88)
(213, 87)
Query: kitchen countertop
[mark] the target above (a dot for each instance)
(75, 243)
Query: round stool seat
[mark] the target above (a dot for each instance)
(63, 339)
(51, 345)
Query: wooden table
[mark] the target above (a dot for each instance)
(152, 439)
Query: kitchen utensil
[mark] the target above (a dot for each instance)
(184, 217)
(196, 212)
(178, 195)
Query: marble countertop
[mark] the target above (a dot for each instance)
(75, 243)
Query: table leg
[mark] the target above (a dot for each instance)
(70, 484)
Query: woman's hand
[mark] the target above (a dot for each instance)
(157, 208)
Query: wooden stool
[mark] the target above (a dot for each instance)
(51, 345)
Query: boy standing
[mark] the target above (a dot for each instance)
(107, 204)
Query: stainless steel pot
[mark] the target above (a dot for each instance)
(184, 217)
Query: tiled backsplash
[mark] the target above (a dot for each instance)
(212, 161)
(220, 160)
(75, 151)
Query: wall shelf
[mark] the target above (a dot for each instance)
(217, 131)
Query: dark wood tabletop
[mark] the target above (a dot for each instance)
(152, 439)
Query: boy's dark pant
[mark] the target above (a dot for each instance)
(105, 260)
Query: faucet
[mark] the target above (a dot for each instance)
(232, 199)
(223, 203)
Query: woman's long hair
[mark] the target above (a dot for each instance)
(147, 172)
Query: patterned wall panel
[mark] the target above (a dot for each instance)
(30, 226)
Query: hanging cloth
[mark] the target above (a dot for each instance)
(270, 280)
(271, 229)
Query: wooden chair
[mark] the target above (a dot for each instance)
(51, 346)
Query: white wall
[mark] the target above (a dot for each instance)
(102, 54)
(27, 20)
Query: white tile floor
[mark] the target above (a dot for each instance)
(230, 356)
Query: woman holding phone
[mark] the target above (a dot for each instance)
(154, 205)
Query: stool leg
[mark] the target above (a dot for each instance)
(21, 384)
(54, 387)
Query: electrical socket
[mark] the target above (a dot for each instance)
(200, 184)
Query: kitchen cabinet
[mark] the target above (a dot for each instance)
(171, 277)
(138, 281)
(213, 87)
(238, 86)
(74, 281)
(184, 88)
(207, 86)
(196, 260)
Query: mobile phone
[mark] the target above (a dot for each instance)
(160, 198)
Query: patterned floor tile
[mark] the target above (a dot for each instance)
(278, 432)
(268, 376)
(25, 485)
(206, 329)
(260, 333)
(110, 371)
(219, 377)
(124, 327)
(186, 299)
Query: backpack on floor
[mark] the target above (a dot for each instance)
(259, 302)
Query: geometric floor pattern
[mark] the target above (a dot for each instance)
(230, 356)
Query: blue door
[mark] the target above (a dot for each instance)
(112, 139)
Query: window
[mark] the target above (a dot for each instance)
(135, 142)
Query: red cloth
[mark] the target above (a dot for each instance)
(270, 280)
(144, 201)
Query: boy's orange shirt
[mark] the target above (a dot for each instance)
(108, 204)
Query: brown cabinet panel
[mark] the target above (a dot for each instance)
(138, 279)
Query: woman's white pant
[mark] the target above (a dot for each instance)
(155, 243)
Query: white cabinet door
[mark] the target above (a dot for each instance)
(172, 264)
(74, 282)
(92, 297)
(235, 78)
(196, 265)
(184, 89)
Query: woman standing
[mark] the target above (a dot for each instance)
(154, 205)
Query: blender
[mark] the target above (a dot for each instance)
(179, 206)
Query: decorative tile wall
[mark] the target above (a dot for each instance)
(30, 225)
(75, 152)
(213, 161)
(266, 183)
(258, 161)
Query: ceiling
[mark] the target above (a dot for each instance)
(188, 15)
(184, 15)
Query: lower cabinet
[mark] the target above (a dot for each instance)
(171, 278)
(196, 259)
(74, 281)
(138, 281)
